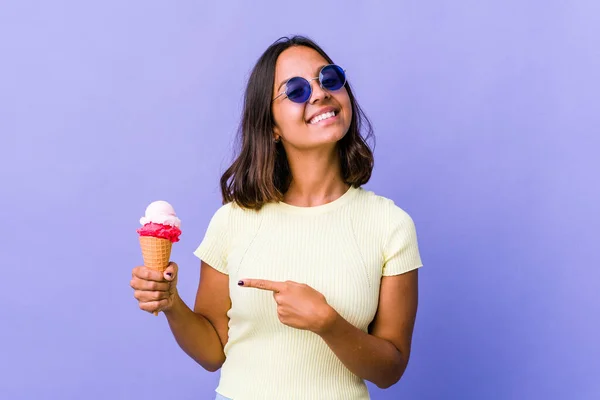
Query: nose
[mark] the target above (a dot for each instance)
(318, 93)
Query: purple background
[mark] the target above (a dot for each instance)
(486, 115)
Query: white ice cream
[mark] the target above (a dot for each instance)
(160, 212)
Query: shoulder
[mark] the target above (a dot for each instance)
(383, 208)
(232, 209)
(381, 216)
(234, 217)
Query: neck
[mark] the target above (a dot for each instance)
(316, 179)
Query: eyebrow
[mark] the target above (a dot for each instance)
(282, 83)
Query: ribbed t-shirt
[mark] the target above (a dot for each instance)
(341, 249)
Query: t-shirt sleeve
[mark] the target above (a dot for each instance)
(214, 248)
(401, 251)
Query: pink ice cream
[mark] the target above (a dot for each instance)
(160, 221)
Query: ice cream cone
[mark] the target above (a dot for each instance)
(160, 229)
(156, 252)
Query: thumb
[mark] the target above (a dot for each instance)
(171, 271)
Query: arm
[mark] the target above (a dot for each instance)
(203, 332)
(381, 356)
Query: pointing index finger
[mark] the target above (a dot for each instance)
(262, 284)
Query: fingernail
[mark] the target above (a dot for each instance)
(170, 273)
(241, 283)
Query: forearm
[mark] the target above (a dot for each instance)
(367, 356)
(195, 335)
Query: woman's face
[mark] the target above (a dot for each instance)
(296, 124)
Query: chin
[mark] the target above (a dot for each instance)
(329, 138)
(335, 135)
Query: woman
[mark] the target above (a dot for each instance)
(308, 283)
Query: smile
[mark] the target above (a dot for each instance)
(322, 117)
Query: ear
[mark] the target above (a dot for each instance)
(276, 134)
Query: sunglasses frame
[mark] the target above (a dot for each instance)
(309, 83)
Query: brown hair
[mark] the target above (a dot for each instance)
(261, 174)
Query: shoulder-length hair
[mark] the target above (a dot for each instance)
(261, 174)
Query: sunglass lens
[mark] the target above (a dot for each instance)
(298, 90)
(332, 77)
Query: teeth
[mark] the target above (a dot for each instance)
(321, 117)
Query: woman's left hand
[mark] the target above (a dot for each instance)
(298, 305)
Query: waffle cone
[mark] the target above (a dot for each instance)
(156, 252)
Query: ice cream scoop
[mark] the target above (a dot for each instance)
(160, 212)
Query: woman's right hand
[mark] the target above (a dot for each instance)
(155, 291)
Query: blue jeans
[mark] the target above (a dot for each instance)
(219, 397)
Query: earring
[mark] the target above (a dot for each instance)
(276, 139)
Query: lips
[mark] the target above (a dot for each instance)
(322, 111)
